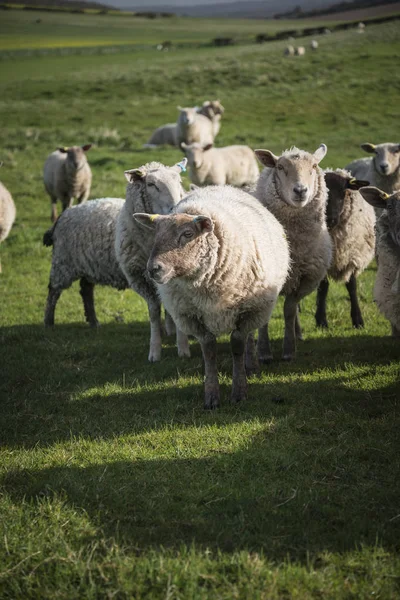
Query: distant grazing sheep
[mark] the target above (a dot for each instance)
(387, 283)
(351, 224)
(234, 165)
(300, 51)
(289, 51)
(164, 135)
(66, 176)
(382, 170)
(219, 262)
(314, 45)
(293, 188)
(7, 213)
(361, 27)
(213, 110)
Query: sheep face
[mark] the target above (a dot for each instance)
(339, 187)
(195, 154)
(296, 173)
(386, 159)
(76, 157)
(187, 115)
(212, 108)
(179, 244)
(379, 199)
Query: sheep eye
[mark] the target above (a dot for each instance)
(151, 184)
(315, 167)
(188, 234)
(280, 167)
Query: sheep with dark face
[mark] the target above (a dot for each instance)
(381, 170)
(213, 110)
(387, 283)
(219, 261)
(351, 224)
(292, 187)
(66, 176)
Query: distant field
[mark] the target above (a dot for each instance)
(114, 482)
(362, 13)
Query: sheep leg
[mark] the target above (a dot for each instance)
(264, 346)
(169, 324)
(289, 340)
(52, 299)
(297, 325)
(322, 293)
(66, 202)
(211, 386)
(355, 311)
(155, 330)
(239, 381)
(83, 197)
(251, 359)
(86, 292)
(182, 343)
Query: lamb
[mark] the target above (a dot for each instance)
(381, 170)
(219, 262)
(300, 51)
(289, 50)
(387, 283)
(213, 110)
(83, 238)
(234, 165)
(293, 188)
(351, 224)
(7, 213)
(193, 127)
(152, 188)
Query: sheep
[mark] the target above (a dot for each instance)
(213, 110)
(7, 213)
(361, 27)
(300, 51)
(193, 127)
(351, 224)
(83, 238)
(234, 165)
(314, 45)
(293, 188)
(152, 188)
(289, 50)
(381, 170)
(387, 283)
(219, 262)
(164, 135)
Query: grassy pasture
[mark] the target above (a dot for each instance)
(114, 482)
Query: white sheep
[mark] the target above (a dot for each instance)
(153, 188)
(66, 176)
(213, 110)
(293, 188)
(387, 283)
(193, 127)
(219, 262)
(314, 45)
(351, 224)
(289, 50)
(382, 170)
(300, 51)
(361, 27)
(164, 135)
(83, 238)
(234, 165)
(7, 213)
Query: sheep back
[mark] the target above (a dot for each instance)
(7, 212)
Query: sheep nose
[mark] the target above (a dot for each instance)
(384, 166)
(300, 189)
(154, 269)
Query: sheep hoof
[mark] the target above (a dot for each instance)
(184, 352)
(211, 401)
(322, 324)
(154, 355)
(265, 359)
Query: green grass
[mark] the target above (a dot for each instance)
(114, 481)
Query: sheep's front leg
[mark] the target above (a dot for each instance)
(66, 202)
(182, 343)
(211, 386)
(169, 324)
(53, 215)
(83, 197)
(322, 293)
(239, 381)
(251, 360)
(155, 330)
(52, 299)
(263, 345)
(355, 311)
(86, 292)
(289, 341)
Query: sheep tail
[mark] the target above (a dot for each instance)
(48, 236)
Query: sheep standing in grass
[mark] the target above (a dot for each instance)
(293, 188)
(213, 110)
(351, 224)
(153, 188)
(387, 283)
(314, 45)
(83, 239)
(381, 170)
(7, 213)
(193, 127)
(234, 165)
(66, 176)
(289, 50)
(300, 51)
(219, 261)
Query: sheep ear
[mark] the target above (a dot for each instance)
(208, 147)
(203, 224)
(375, 197)
(180, 166)
(368, 148)
(266, 158)
(86, 147)
(356, 184)
(135, 174)
(145, 219)
(63, 149)
(320, 152)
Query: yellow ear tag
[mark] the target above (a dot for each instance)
(384, 195)
(353, 180)
(153, 217)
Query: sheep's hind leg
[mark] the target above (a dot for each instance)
(251, 360)
(52, 299)
(211, 385)
(297, 325)
(263, 345)
(86, 292)
(322, 293)
(355, 311)
(289, 341)
(53, 214)
(239, 380)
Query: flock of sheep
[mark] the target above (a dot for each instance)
(217, 257)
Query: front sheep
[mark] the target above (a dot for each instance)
(381, 170)
(220, 262)
(351, 224)
(153, 188)
(7, 213)
(387, 283)
(234, 165)
(66, 176)
(293, 188)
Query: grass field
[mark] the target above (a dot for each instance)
(114, 481)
